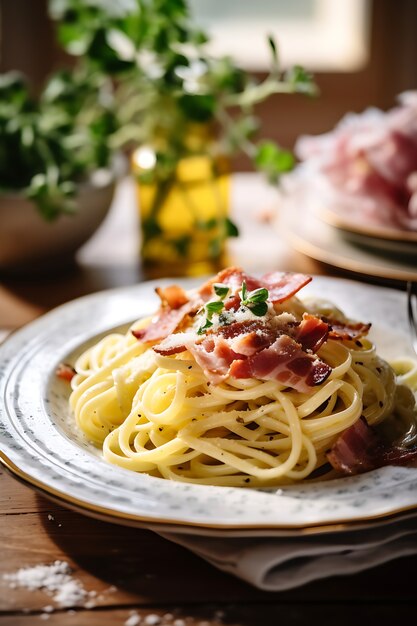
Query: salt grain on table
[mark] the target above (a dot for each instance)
(55, 579)
(152, 620)
(133, 620)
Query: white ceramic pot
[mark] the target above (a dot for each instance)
(30, 243)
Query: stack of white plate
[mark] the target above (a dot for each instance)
(317, 227)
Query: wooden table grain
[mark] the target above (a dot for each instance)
(134, 576)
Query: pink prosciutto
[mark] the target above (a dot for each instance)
(367, 166)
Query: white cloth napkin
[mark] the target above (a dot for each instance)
(280, 563)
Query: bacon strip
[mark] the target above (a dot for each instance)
(286, 362)
(166, 322)
(248, 337)
(283, 285)
(264, 348)
(172, 296)
(214, 356)
(65, 372)
(360, 449)
(312, 332)
(346, 330)
(233, 278)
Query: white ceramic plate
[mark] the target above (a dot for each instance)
(308, 234)
(379, 238)
(40, 444)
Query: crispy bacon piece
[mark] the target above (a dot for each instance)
(263, 348)
(281, 285)
(175, 303)
(175, 343)
(175, 307)
(286, 362)
(360, 449)
(248, 337)
(312, 332)
(172, 296)
(166, 350)
(214, 356)
(252, 342)
(165, 324)
(233, 278)
(346, 330)
(65, 372)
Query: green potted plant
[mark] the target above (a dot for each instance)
(56, 167)
(184, 113)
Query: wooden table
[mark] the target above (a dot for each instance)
(134, 573)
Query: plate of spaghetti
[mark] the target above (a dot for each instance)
(239, 402)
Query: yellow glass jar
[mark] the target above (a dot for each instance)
(183, 210)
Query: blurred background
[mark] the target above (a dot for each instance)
(192, 97)
(362, 52)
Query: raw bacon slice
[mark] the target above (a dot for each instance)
(286, 362)
(312, 332)
(360, 449)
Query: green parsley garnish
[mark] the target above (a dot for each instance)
(221, 290)
(256, 300)
(214, 306)
(205, 327)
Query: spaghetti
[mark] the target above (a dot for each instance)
(180, 406)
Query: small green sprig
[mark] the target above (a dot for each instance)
(214, 306)
(221, 290)
(256, 300)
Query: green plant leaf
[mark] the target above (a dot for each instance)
(301, 81)
(151, 228)
(198, 108)
(182, 245)
(231, 228)
(274, 52)
(273, 160)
